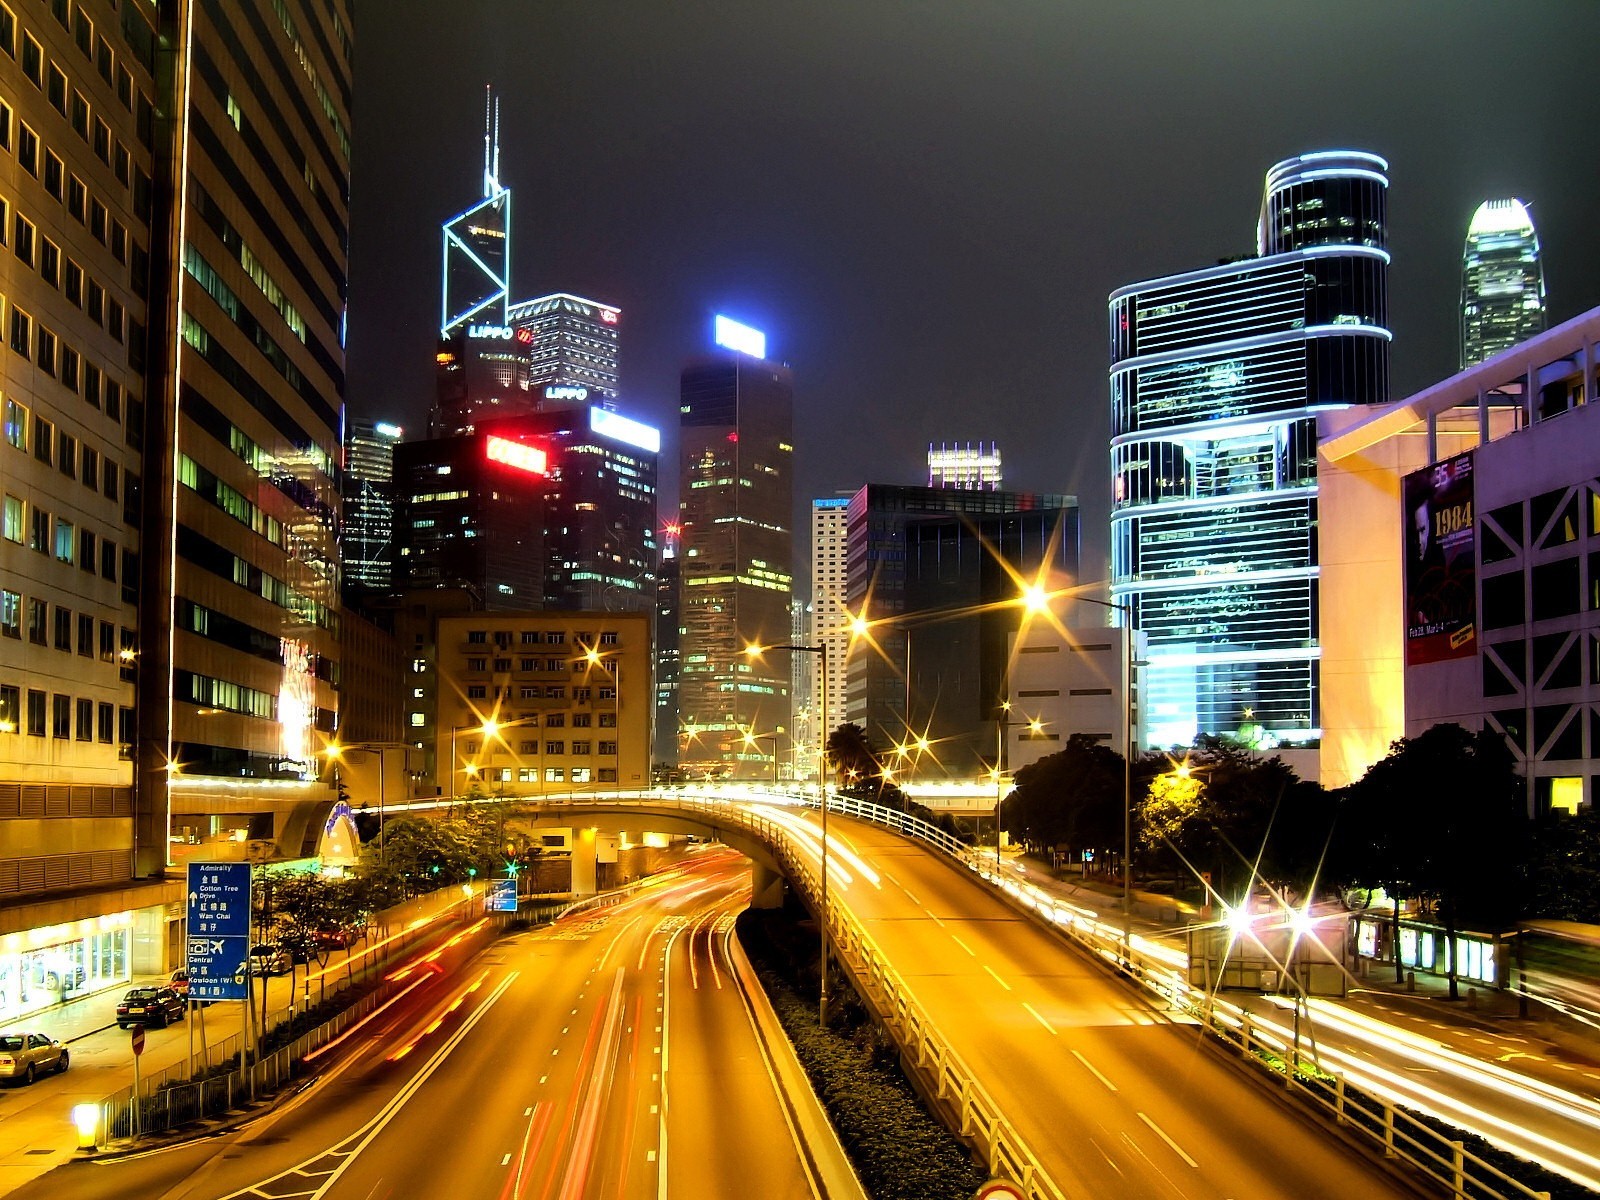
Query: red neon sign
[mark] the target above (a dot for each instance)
(609, 315)
(514, 454)
(524, 336)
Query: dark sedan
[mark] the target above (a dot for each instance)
(151, 1006)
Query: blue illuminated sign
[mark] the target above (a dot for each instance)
(219, 930)
(741, 338)
(624, 429)
(502, 895)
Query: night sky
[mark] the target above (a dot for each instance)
(925, 204)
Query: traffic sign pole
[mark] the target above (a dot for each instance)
(136, 1041)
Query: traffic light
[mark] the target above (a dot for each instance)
(472, 872)
(433, 870)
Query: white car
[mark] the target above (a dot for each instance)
(26, 1055)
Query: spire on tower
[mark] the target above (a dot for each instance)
(491, 143)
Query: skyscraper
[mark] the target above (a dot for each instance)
(476, 280)
(366, 549)
(238, 651)
(964, 465)
(668, 656)
(480, 374)
(573, 344)
(1216, 377)
(1502, 281)
(737, 489)
(830, 585)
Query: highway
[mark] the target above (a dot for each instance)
(609, 1055)
(1114, 1100)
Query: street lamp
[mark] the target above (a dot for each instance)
(1035, 726)
(750, 739)
(336, 752)
(593, 659)
(755, 651)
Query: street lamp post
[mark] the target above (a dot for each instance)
(337, 752)
(821, 652)
(750, 739)
(1033, 724)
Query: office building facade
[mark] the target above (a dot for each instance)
(573, 347)
(737, 494)
(1502, 281)
(830, 586)
(971, 465)
(668, 658)
(1216, 379)
(80, 846)
(480, 374)
(876, 565)
(366, 547)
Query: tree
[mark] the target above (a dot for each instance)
(1564, 874)
(851, 755)
(1073, 799)
(1442, 820)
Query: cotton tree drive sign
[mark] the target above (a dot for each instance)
(219, 930)
(502, 895)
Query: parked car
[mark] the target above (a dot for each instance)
(178, 981)
(25, 1055)
(269, 958)
(157, 1007)
(339, 939)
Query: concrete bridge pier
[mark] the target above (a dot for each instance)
(585, 860)
(766, 886)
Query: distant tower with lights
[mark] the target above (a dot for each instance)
(1502, 281)
(477, 244)
(365, 550)
(966, 465)
(573, 346)
(830, 586)
(737, 487)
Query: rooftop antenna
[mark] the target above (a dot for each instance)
(491, 143)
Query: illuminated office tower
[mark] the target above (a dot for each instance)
(830, 585)
(574, 348)
(366, 547)
(476, 279)
(737, 493)
(480, 374)
(79, 843)
(1216, 377)
(968, 465)
(1502, 281)
(241, 602)
(665, 742)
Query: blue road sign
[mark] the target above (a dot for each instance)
(219, 930)
(502, 895)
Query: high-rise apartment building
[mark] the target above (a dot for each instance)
(366, 549)
(737, 495)
(77, 167)
(830, 586)
(573, 345)
(668, 656)
(876, 548)
(240, 610)
(1502, 281)
(971, 465)
(476, 278)
(1216, 379)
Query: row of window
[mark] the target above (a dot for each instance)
(94, 48)
(41, 714)
(95, 638)
(502, 665)
(551, 775)
(536, 637)
(579, 748)
(35, 527)
(73, 459)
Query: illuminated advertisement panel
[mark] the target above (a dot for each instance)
(531, 459)
(731, 335)
(624, 429)
(1441, 574)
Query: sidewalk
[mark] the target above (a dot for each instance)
(36, 1132)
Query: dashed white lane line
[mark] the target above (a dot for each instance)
(963, 945)
(1037, 1017)
(1162, 1134)
(996, 977)
(505, 1160)
(1093, 1070)
(528, 1112)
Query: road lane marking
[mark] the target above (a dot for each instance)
(963, 945)
(1162, 1134)
(505, 1161)
(1094, 1071)
(1037, 1017)
(528, 1112)
(995, 977)
(542, 1078)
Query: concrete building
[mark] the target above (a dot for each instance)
(534, 704)
(1070, 680)
(1461, 561)
(1502, 281)
(737, 496)
(1217, 378)
(830, 586)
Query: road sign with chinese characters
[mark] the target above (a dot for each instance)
(502, 895)
(219, 930)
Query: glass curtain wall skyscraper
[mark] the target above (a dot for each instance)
(366, 549)
(1216, 377)
(1502, 281)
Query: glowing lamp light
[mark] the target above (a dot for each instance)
(531, 459)
(86, 1120)
(1239, 922)
(1035, 599)
(740, 338)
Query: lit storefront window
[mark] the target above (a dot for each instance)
(44, 966)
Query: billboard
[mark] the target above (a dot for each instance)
(1441, 586)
